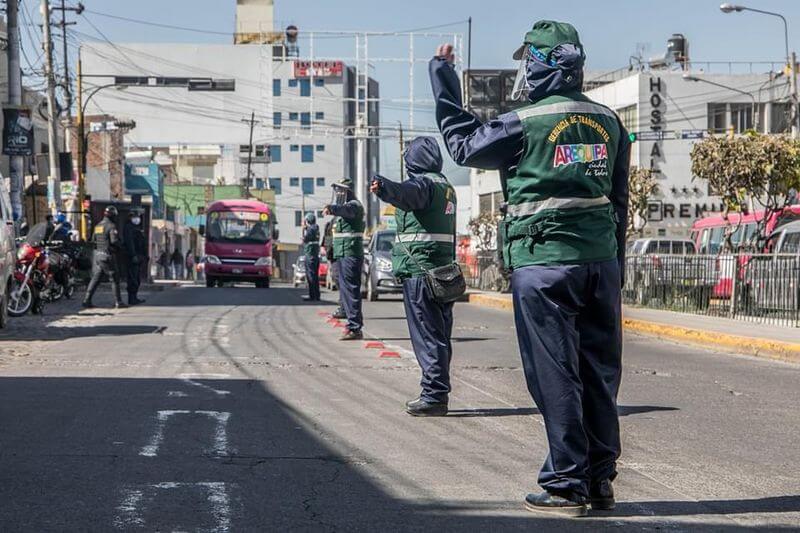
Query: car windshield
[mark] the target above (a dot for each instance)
(238, 227)
(384, 242)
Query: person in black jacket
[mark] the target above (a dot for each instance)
(107, 247)
(135, 246)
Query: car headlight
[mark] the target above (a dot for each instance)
(213, 259)
(264, 261)
(383, 265)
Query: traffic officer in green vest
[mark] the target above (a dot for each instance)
(563, 162)
(426, 225)
(348, 246)
(311, 251)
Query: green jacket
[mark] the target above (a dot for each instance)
(348, 230)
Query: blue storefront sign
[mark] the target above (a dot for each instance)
(146, 179)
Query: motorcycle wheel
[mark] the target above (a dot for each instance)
(4, 308)
(70, 290)
(24, 299)
(38, 306)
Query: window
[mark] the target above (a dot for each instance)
(277, 118)
(305, 87)
(791, 243)
(294, 147)
(275, 153)
(308, 185)
(319, 115)
(741, 117)
(780, 117)
(244, 149)
(261, 150)
(292, 116)
(276, 87)
(664, 247)
(292, 82)
(260, 184)
(320, 182)
(305, 120)
(294, 182)
(276, 185)
(307, 155)
(628, 117)
(319, 82)
(716, 118)
(320, 148)
(298, 218)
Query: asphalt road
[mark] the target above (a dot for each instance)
(237, 409)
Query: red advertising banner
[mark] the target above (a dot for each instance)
(320, 69)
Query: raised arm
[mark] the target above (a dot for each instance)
(347, 210)
(494, 145)
(410, 195)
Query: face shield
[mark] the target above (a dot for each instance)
(521, 86)
(339, 195)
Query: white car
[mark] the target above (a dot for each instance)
(8, 251)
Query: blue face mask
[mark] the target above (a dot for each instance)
(540, 74)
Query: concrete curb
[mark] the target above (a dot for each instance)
(782, 351)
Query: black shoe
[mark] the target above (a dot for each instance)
(339, 313)
(135, 301)
(351, 335)
(87, 305)
(553, 504)
(120, 305)
(308, 298)
(420, 407)
(601, 496)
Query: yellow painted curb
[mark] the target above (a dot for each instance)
(783, 351)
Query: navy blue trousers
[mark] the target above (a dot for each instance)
(568, 321)
(312, 276)
(350, 290)
(430, 326)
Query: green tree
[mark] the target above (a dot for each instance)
(642, 185)
(751, 171)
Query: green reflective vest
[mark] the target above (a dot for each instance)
(348, 235)
(311, 247)
(559, 210)
(427, 234)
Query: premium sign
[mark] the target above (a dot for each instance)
(17, 132)
(318, 69)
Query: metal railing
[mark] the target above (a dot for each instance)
(762, 288)
(484, 272)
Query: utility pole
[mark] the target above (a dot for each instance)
(80, 152)
(252, 122)
(402, 150)
(53, 180)
(793, 85)
(16, 162)
(63, 25)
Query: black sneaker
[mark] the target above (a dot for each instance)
(351, 335)
(601, 496)
(339, 313)
(546, 502)
(420, 407)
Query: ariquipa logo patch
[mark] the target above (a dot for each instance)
(568, 154)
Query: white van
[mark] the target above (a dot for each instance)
(8, 250)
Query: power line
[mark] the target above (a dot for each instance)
(158, 24)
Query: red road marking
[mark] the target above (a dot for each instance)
(389, 354)
(322, 313)
(374, 344)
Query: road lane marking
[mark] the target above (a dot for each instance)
(220, 446)
(133, 503)
(191, 380)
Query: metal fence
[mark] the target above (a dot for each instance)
(761, 288)
(485, 272)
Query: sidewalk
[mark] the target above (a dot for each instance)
(739, 336)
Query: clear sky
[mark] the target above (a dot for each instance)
(611, 31)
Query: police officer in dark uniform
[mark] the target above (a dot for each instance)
(311, 251)
(348, 245)
(136, 255)
(563, 162)
(107, 246)
(426, 227)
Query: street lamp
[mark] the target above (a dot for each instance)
(790, 57)
(689, 77)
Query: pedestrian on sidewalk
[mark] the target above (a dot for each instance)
(106, 257)
(563, 162)
(311, 251)
(348, 244)
(163, 263)
(189, 262)
(425, 215)
(177, 264)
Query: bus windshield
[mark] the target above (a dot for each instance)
(238, 227)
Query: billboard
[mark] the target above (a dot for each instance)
(319, 69)
(17, 132)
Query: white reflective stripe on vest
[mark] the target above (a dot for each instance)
(531, 208)
(565, 107)
(437, 179)
(347, 235)
(426, 237)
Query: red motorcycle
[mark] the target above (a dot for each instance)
(30, 279)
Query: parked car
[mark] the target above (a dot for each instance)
(8, 250)
(378, 276)
(299, 268)
(665, 268)
(773, 279)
